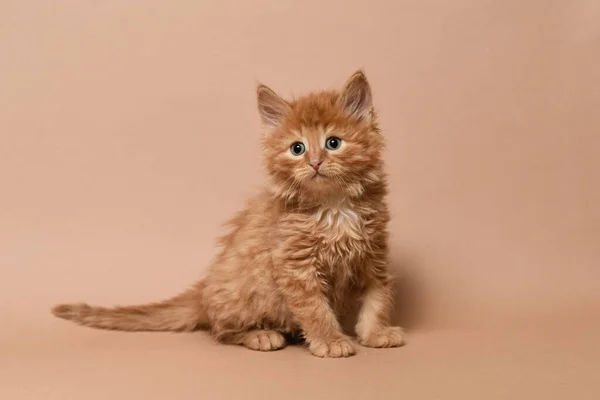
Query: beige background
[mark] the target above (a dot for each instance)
(128, 134)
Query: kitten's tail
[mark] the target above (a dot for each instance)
(185, 312)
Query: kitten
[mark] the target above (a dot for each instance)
(311, 244)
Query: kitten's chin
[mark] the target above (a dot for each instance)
(328, 187)
(321, 182)
(316, 188)
(319, 178)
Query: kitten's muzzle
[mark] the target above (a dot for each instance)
(315, 164)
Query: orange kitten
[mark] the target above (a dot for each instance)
(313, 242)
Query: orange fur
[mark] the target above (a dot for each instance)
(303, 251)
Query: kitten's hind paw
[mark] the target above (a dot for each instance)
(262, 340)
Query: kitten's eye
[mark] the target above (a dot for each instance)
(333, 143)
(297, 148)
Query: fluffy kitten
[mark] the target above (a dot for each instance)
(311, 244)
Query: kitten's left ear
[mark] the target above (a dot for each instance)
(271, 107)
(356, 97)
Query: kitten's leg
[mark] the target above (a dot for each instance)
(373, 326)
(313, 313)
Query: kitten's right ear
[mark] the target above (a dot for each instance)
(356, 97)
(271, 107)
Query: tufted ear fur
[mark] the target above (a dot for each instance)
(271, 107)
(356, 97)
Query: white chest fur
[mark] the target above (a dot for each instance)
(339, 221)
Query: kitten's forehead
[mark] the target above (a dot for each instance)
(316, 111)
(313, 132)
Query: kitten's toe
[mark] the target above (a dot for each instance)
(264, 340)
(391, 336)
(335, 348)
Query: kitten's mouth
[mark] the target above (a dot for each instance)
(318, 176)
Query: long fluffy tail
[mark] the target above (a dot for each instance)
(185, 312)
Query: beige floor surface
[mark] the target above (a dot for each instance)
(546, 361)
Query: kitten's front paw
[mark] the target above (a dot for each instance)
(391, 336)
(334, 348)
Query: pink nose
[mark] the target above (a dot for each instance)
(316, 164)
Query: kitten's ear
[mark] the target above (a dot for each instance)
(271, 107)
(356, 97)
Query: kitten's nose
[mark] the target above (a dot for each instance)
(315, 164)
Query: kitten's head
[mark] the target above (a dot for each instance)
(322, 145)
